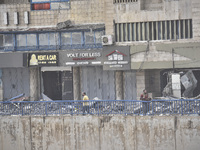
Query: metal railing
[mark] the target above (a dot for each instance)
(101, 107)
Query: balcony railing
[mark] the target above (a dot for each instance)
(101, 107)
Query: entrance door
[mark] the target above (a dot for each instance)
(52, 84)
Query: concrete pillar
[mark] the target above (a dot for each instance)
(1, 86)
(76, 83)
(34, 84)
(119, 85)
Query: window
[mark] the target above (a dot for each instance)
(6, 42)
(52, 40)
(26, 41)
(124, 1)
(77, 38)
(49, 4)
(66, 38)
(89, 38)
(98, 35)
(48, 40)
(155, 30)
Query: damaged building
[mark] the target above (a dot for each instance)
(110, 49)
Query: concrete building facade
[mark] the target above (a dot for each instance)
(161, 36)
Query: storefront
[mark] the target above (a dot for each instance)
(14, 75)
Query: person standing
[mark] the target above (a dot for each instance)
(85, 104)
(145, 105)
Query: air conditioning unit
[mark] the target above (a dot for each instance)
(107, 40)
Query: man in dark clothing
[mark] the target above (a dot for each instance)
(145, 105)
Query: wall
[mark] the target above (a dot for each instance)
(80, 12)
(100, 132)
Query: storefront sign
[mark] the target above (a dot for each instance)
(116, 58)
(43, 59)
(12, 60)
(80, 57)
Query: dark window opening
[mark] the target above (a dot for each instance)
(186, 29)
(154, 31)
(150, 30)
(137, 32)
(163, 30)
(172, 29)
(168, 30)
(177, 29)
(191, 31)
(133, 32)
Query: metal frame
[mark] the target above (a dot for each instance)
(82, 45)
(101, 107)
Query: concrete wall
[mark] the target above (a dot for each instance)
(100, 132)
(80, 12)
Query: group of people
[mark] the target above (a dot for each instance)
(144, 97)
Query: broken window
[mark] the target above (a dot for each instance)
(1, 40)
(89, 38)
(53, 39)
(8, 40)
(98, 35)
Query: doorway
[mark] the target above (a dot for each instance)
(58, 85)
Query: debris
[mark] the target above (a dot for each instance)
(190, 83)
(63, 25)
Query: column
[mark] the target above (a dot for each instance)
(1, 86)
(76, 83)
(119, 85)
(34, 84)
